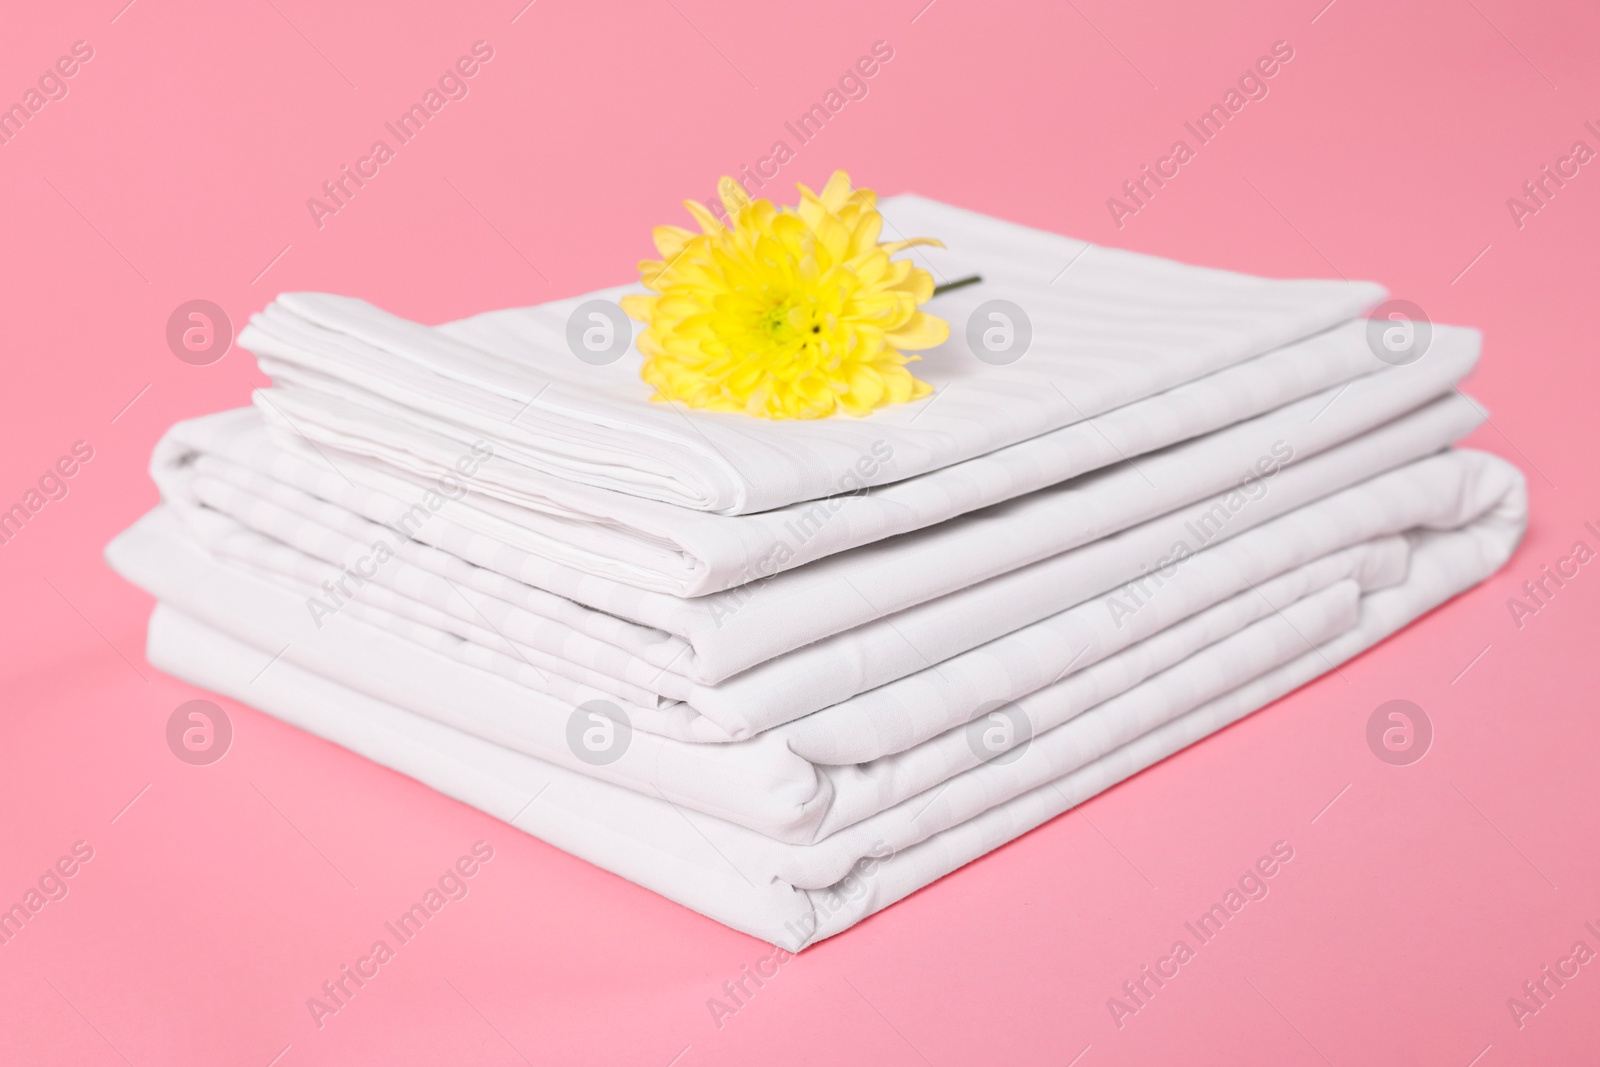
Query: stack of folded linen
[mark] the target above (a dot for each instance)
(787, 673)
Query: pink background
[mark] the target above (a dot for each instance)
(178, 168)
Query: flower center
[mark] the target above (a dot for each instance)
(776, 323)
(790, 325)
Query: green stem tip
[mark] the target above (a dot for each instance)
(959, 283)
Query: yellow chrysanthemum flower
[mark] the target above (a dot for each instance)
(791, 313)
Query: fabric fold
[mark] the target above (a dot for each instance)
(686, 647)
(1131, 327)
(796, 895)
(762, 783)
(1077, 541)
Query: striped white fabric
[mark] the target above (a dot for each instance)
(1305, 569)
(1111, 328)
(794, 894)
(831, 661)
(818, 635)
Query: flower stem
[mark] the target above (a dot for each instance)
(959, 283)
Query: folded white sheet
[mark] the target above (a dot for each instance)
(679, 551)
(899, 604)
(227, 463)
(1114, 328)
(1195, 633)
(795, 895)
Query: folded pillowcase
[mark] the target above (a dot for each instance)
(665, 548)
(1115, 328)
